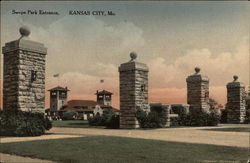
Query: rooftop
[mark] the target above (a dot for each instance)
(103, 92)
(59, 88)
(80, 105)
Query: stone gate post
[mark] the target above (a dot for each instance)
(24, 74)
(236, 109)
(133, 90)
(198, 91)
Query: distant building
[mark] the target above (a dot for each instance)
(84, 108)
(58, 98)
(87, 108)
(104, 97)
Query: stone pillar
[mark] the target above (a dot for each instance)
(236, 109)
(248, 106)
(24, 74)
(133, 91)
(198, 91)
(248, 101)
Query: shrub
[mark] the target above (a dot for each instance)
(247, 120)
(141, 117)
(174, 121)
(47, 123)
(179, 109)
(223, 116)
(110, 120)
(199, 118)
(151, 120)
(69, 115)
(19, 123)
(213, 118)
(113, 121)
(98, 120)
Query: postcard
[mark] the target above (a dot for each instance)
(125, 81)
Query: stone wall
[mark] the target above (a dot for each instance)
(236, 109)
(198, 91)
(133, 92)
(24, 75)
(157, 107)
(248, 101)
(180, 109)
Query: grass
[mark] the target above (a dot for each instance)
(128, 150)
(74, 124)
(233, 129)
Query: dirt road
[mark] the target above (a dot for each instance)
(189, 135)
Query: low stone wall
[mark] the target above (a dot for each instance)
(157, 107)
(179, 109)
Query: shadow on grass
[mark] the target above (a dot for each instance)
(84, 124)
(233, 129)
(78, 124)
(74, 124)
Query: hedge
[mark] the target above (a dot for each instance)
(110, 120)
(20, 123)
(69, 115)
(199, 118)
(152, 119)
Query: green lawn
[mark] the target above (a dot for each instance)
(74, 124)
(233, 129)
(107, 149)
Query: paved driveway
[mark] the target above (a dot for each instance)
(189, 135)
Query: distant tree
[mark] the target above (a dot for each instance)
(213, 104)
(215, 107)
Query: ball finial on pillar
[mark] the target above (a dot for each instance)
(197, 70)
(235, 77)
(24, 31)
(133, 56)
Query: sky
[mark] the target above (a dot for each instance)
(170, 37)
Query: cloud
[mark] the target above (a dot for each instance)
(84, 43)
(80, 43)
(219, 68)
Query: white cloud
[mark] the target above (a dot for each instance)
(82, 83)
(219, 68)
(85, 43)
(81, 44)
